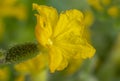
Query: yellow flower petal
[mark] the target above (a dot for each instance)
(43, 33)
(63, 64)
(49, 13)
(46, 19)
(86, 51)
(76, 63)
(67, 20)
(55, 58)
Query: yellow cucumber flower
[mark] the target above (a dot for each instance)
(10, 8)
(4, 74)
(63, 36)
(113, 11)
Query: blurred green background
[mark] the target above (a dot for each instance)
(17, 23)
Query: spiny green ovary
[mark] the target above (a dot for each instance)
(21, 52)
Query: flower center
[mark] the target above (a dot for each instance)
(49, 43)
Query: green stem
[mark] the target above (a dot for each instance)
(2, 57)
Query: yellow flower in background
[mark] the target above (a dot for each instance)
(33, 66)
(108, 7)
(106, 2)
(114, 11)
(20, 78)
(88, 22)
(8, 2)
(89, 18)
(63, 36)
(99, 4)
(95, 4)
(4, 74)
(9, 8)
